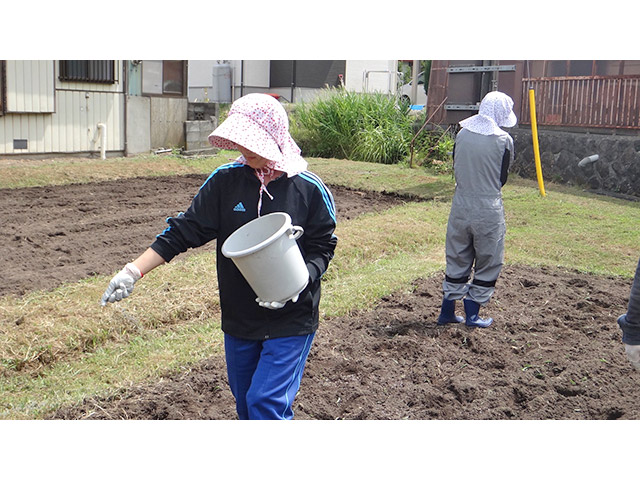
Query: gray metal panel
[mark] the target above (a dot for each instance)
(487, 68)
(221, 83)
(462, 107)
(138, 125)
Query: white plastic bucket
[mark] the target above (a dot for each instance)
(266, 253)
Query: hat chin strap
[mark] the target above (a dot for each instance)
(263, 188)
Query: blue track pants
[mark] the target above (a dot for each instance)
(265, 375)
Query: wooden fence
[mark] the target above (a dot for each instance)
(602, 102)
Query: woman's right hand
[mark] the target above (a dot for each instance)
(121, 285)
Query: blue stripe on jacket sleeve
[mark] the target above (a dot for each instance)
(226, 166)
(326, 193)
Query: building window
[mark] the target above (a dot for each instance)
(92, 71)
(306, 73)
(163, 77)
(173, 77)
(580, 68)
(609, 67)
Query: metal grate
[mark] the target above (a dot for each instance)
(94, 71)
(20, 144)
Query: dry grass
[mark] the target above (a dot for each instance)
(63, 171)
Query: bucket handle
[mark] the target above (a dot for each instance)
(295, 232)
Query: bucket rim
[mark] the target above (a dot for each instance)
(272, 238)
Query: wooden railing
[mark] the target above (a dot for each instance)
(602, 102)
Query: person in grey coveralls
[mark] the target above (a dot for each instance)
(476, 228)
(630, 323)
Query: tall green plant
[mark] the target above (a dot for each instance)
(358, 126)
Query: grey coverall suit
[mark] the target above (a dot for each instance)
(476, 227)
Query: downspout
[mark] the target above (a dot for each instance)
(125, 78)
(102, 128)
(242, 78)
(415, 67)
(293, 78)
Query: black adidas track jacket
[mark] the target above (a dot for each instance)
(227, 200)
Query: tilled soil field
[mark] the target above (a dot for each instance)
(554, 350)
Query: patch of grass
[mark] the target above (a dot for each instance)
(399, 178)
(571, 229)
(59, 347)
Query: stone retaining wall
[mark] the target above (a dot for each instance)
(617, 170)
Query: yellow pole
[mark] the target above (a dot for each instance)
(534, 134)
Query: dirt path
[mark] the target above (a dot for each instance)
(554, 351)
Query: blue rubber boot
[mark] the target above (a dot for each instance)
(471, 310)
(448, 313)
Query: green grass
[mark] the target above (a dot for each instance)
(571, 229)
(59, 347)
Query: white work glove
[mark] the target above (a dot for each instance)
(275, 305)
(633, 354)
(121, 285)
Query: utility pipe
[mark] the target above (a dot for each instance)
(414, 81)
(102, 128)
(536, 148)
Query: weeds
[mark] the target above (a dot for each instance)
(363, 127)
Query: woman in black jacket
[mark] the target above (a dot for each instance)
(266, 342)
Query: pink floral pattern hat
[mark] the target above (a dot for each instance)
(496, 110)
(258, 122)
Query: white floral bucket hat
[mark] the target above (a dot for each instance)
(496, 110)
(258, 122)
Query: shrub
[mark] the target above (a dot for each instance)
(433, 149)
(360, 126)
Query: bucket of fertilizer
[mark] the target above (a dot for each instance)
(266, 253)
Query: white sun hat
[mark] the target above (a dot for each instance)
(258, 122)
(496, 110)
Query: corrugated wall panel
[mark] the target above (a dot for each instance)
(6, 134)
(73, 128)
(67, 112)
(30, 86)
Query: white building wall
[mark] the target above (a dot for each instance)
(372, 76)
(250, 76)
(59, 117)
(360, 76)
